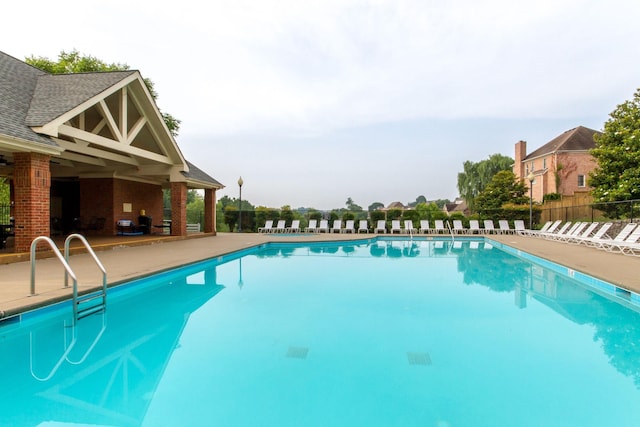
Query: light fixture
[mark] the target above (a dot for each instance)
(240, 182)
(531, 177)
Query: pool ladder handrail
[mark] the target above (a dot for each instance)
(451, 232)
(77, 313)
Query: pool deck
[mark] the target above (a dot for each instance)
(127, 259)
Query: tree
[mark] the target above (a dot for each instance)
(419, 199)
(503, 188)
(286, 214)
(195, 209)
(430, 211)
(352, 206)
(231, 216)
(617, 151)
(476, 176)
(375, 206)
(75, 62)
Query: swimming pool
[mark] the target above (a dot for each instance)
(375, 332)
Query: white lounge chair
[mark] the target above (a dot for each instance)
(458, 228)
(597, 237)
(488, 226)
(551, 235)
(424, 226)
(313, 226)
(586, 232)
(630, 245)
(547, 228)
(395, 226)
(504, 226)
(408, 226)
(474, 226)
(268, 227)
(337, 226)
(439, 226)
(348, 227)
(363, 226)
(573, 232)
(324, 226)
(381, 227)
(295, 226)
(624, 238)
(281, 227)
(518, 226)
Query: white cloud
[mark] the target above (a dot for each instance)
(247, 77)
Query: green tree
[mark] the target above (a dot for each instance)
(195, 209)
(476, 176)
(231, 216)
(375, 206)
(76, 62)
(352, 206)
(419, 199)
(430, 211)
(617, 151)
(503, 188)
(314, 214)
(441, 202)
(287, 214)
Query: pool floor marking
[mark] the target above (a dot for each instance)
(297, 352)
(418, 358)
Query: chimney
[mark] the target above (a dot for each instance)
(520, 154)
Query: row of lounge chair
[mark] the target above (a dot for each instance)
(406, 227)
(593, 234)
(314, 227)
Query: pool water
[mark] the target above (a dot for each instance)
(380, 332)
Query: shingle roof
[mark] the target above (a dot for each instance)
(199, 175)
(576, 139)
(32, 97)
(56, 94)
(17, 86)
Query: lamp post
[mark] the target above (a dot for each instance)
(531, 177)
(240, 182)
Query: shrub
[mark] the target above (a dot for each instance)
(347, 216)
(552, 196)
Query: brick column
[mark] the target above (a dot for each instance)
(210, 211)
(32, 192)
(178, 209)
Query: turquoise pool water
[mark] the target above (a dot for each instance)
(376, 333)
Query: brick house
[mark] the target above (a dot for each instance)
(560, 166)
(89, 145)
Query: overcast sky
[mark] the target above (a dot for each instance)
(312, 102)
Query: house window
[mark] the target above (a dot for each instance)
(581, 182)
(544, 163)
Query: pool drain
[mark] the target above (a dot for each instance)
(416, 358)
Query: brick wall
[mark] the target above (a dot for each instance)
(210, 211)
(105, 197)
(178, 209)
(31, 189)
(574, 164)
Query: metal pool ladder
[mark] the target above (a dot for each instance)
(82, 305)
(451, 232)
